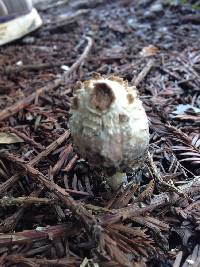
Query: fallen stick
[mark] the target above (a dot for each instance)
(16, 201)
(9, 223)
(32, 67)
(13, 179)
(61, 262)
(81, 213)
(80, 60)
(143, 73)
(158, 179)
(44, 233)
(9, 111)
(159, 201)
(94, 227)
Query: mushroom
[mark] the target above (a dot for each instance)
(109, 126)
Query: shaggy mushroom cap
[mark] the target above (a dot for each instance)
(109, 124)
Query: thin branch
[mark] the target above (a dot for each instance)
(88, 220)
(80, 60)
(143, 73)
(10, 111)
(32, 67)
(12, 201)
(9, 224)
(63, 262)
(41, 234)
(170, 186)
(13, 179)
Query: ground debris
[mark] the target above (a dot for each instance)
(55, 209)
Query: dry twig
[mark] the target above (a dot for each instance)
(87, 219)
(12, 201)
(12, 110)
(79, 61)
(143, 73)
(14, 178)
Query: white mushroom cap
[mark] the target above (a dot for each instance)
(109, 124)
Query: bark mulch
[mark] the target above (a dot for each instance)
(55, 210)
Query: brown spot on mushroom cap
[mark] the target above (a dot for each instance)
(75, 102)
(130, 98)
(123, 118)
(77, 85)
(102, 96)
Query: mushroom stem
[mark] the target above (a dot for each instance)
(116, 180)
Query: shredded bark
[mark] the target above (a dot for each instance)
(55, 209)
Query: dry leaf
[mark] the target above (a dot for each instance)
(9, 138)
